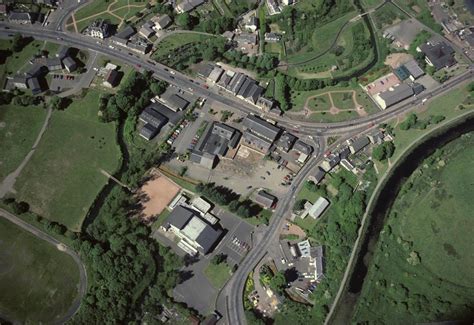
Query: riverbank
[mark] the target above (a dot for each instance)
(368, 232)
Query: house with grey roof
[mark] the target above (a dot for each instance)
(393, 96)
(251, 24)
(215, 74)
(176, 102)
(122, 37)
(272, 37)
(256, 141)
(359, 144)
(147, 30)
(36, 70)
(266, 199)
(62, 52)
(303, 148)
(188, 5)
(261, 127)
(439, 55)
(376, 137)
(20, 17)
(54, 64)
(317, 176)
(286, 141)
(19, 81)
(138, 44)
(246, 39)
(195, 233)
(70, 64)
(414, 70)
(162, 22)
(266, 104)
(34, 85)
(112, 78)
(330, 162)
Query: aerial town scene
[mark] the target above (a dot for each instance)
(236, 162)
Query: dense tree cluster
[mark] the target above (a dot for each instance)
(413, 122)
(131, 98)
(226, 197)
(383, 151)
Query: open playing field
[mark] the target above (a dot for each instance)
(64, 176)
(424, 259)
(157, 193)
(16, 140)
(38, 283)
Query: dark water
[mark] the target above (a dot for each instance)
(389, 193)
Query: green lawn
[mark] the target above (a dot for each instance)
(63, 177)
(84, 23)
(38, 283)
(16, 140)
(97, 6)
(320, 103)
(329, 118)
(16, 61)
(431, 217)
(343, 100)
(217, 274)
(172, 42)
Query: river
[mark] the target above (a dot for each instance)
(384, 201)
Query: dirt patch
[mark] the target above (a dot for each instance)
(334, 110)
(396, 59)
(293, 230)
(156, 194)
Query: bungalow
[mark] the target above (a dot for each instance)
(70, 64)
(112, 79)
(265, 199)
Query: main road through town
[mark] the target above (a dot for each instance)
(230, 302)
(193, 85)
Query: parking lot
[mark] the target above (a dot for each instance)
(197, 291)
(60, 82)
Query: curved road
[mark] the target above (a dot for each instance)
(44, 236)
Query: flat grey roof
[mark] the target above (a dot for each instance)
(151, 116)
(398, 94)
(177, 102)
(261, 127)
(180, 216)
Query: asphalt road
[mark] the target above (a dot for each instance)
(44, 236)
(188, 84)
(231, 296)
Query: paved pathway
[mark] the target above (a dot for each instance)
(9, 181)
(44, 236)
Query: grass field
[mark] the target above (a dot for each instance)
(15, 139)
(424, 257)
(63, 177)
(16, 61)
(343, 100)
(217, 274)
(319, 103)
(38, 283)
(172, 42)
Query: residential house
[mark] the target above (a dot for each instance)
(54, 64)
(330, 162)
(188, 5)
(266, 104)
(286, 141)
(215, 75)
(414, 70)
(252, 24)
(438, 55)
(112, 78)
(162, 22)
(70, 64)
(273, 7)
(243, 39)
(122, 37)
(62, 52)
(272, 37)
(376, 137)
(147, 30)
(34, 85)
(138, 44)
(261, 127)
(99, 28)
(265, 199)
(20, 17)
(359, 144)
(317, 176)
